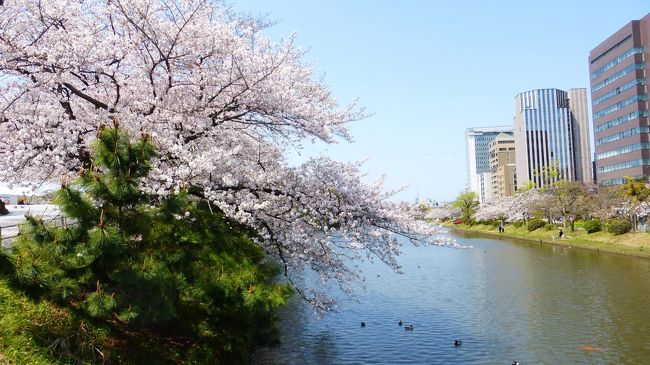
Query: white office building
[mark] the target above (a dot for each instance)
(477, 142)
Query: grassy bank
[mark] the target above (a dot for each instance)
(38, 331)
(632, 243)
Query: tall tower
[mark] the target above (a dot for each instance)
(551, 133)
(619, 99)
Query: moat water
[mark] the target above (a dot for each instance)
(507, 300)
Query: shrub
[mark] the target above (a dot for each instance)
(618, 226)
(548, 226)
(592, 226)
(490, 222)
(536, 223)
(171, 267)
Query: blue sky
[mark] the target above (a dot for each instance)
(428, 70)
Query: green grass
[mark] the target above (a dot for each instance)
(631, 243)
(20, 320)
(38, 332)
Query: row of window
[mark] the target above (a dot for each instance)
(620, 105)
(611, 48)
(610, 182)
(620, 120)
(618, 90)
(624, 149)
(618, 75)
(616, 61)
(624, 165)
(621, 135)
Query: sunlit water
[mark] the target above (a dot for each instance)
(507, 300)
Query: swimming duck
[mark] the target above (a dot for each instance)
(458, 343)
(400, 322)
(363, 324)
(409, 327)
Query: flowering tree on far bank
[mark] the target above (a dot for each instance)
(442, 213)
(467, 203)
(571, 201)
(221, 102)
(520, 206)
(498, 209)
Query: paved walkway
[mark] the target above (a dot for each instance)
(9, 223)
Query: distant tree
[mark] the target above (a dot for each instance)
(529, 185)
(606, 202)
(570, 200)
(467, 203)
(498, 209)
(524, 204)
(442, 213)
(635, 190)
(548, 174)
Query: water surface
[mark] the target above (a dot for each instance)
(507, 300)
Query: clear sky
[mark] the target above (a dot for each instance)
(428, 70)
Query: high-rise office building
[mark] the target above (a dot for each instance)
(477, 142)
(502, 166)
(551, 131)
(619, 101)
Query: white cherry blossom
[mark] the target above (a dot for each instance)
(222, 103)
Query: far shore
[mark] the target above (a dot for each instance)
(631, 244)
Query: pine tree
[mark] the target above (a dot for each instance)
(171, 266)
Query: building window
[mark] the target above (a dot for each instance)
(630, 52)
(621, 135)
(624, 165)
(620, 105)
(618, 75)
(618, 90)
(624, 149)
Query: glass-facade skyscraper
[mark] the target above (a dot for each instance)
(551, 130)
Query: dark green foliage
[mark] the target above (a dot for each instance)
(171, 268)
(548, 226)
(536, 223)
(592, 226)
(618, 226)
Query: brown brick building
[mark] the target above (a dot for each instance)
(619, 100)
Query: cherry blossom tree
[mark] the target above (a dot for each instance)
(223, 104)
(499, 209)
(520, 206)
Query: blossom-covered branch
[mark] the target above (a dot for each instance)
(222, 103)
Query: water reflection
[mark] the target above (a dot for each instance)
(507, 300)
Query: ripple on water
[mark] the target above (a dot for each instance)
(505, 300)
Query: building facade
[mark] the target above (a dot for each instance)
(503, 166)
(477, 142)
(551, 132)
(619, 99)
